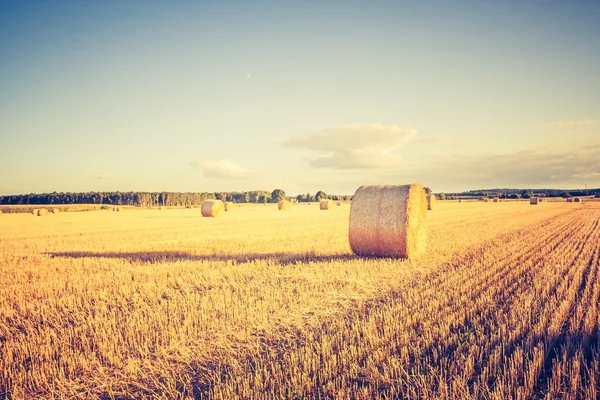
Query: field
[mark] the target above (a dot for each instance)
(269, 304)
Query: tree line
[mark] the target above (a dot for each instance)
(155, 199)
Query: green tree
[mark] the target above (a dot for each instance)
(527, 194)
(320, 195)
(277, 195)
(442, 196)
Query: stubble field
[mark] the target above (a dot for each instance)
(269, 304)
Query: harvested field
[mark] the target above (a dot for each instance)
(148, 303)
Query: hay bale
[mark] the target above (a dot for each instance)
(55, 211)
(42, 212)
(118, 209)
(569, 200)
(540, 199)
(576, 200)
(228, 206)
(533, 200)
(326, 204)
(35, 211)
(284, 205)
(339, 203)
(212, 208)
(388, 220)
(495, 199)
(431, 199)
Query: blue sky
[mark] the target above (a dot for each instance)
(303, 96)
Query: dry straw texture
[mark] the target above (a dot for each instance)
(431, 199)
(576, 200)
(228, 206)
(533, 200)
(388, 220)
(212, 208)
(284, 205)
(42, 211)
(326, 204)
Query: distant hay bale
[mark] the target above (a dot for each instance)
(339, 203)
(284, 205)
(388, 220)
(495, 199)
(534, 200)
(55, 211)
(431, 200)
(576, 200)
(42, 212)
(569, 200)
(326, 204)
(228, 206)
(118, 209)
(35, 211)
(212, 208)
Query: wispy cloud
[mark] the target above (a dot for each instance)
(222, 169)
(103, 176)
(358, 146)
(532, 167)
(569, 124)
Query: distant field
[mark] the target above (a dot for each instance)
(270, 304)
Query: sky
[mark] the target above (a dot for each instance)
(300, 96)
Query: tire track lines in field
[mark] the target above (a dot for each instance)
(352, 325)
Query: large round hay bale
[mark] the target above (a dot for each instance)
(55, 211)
(576, 200)
(42, 212)
(35, 211)
(212, 208)
(569, 200)
(495, 199)
(388, 220)
(339, 203)
(540, 199)
(431, 199)
(284, 205)
(533, 200)
(118, 209)
(326, 204)
(228, 206)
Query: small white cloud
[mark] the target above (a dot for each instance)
(565, 124)
(103, 176)
(222, 169)
(358, 146)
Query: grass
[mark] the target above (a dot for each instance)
(264, 304)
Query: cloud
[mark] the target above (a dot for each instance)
(358, 146)
(533, 167)
(222, 169)
(103, 176)
(566, 124)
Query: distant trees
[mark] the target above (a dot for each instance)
(442, 196)
(155, 199)
(527, 194)
(320, 195)
(277, 195)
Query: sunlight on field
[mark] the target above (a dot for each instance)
(165, 302)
